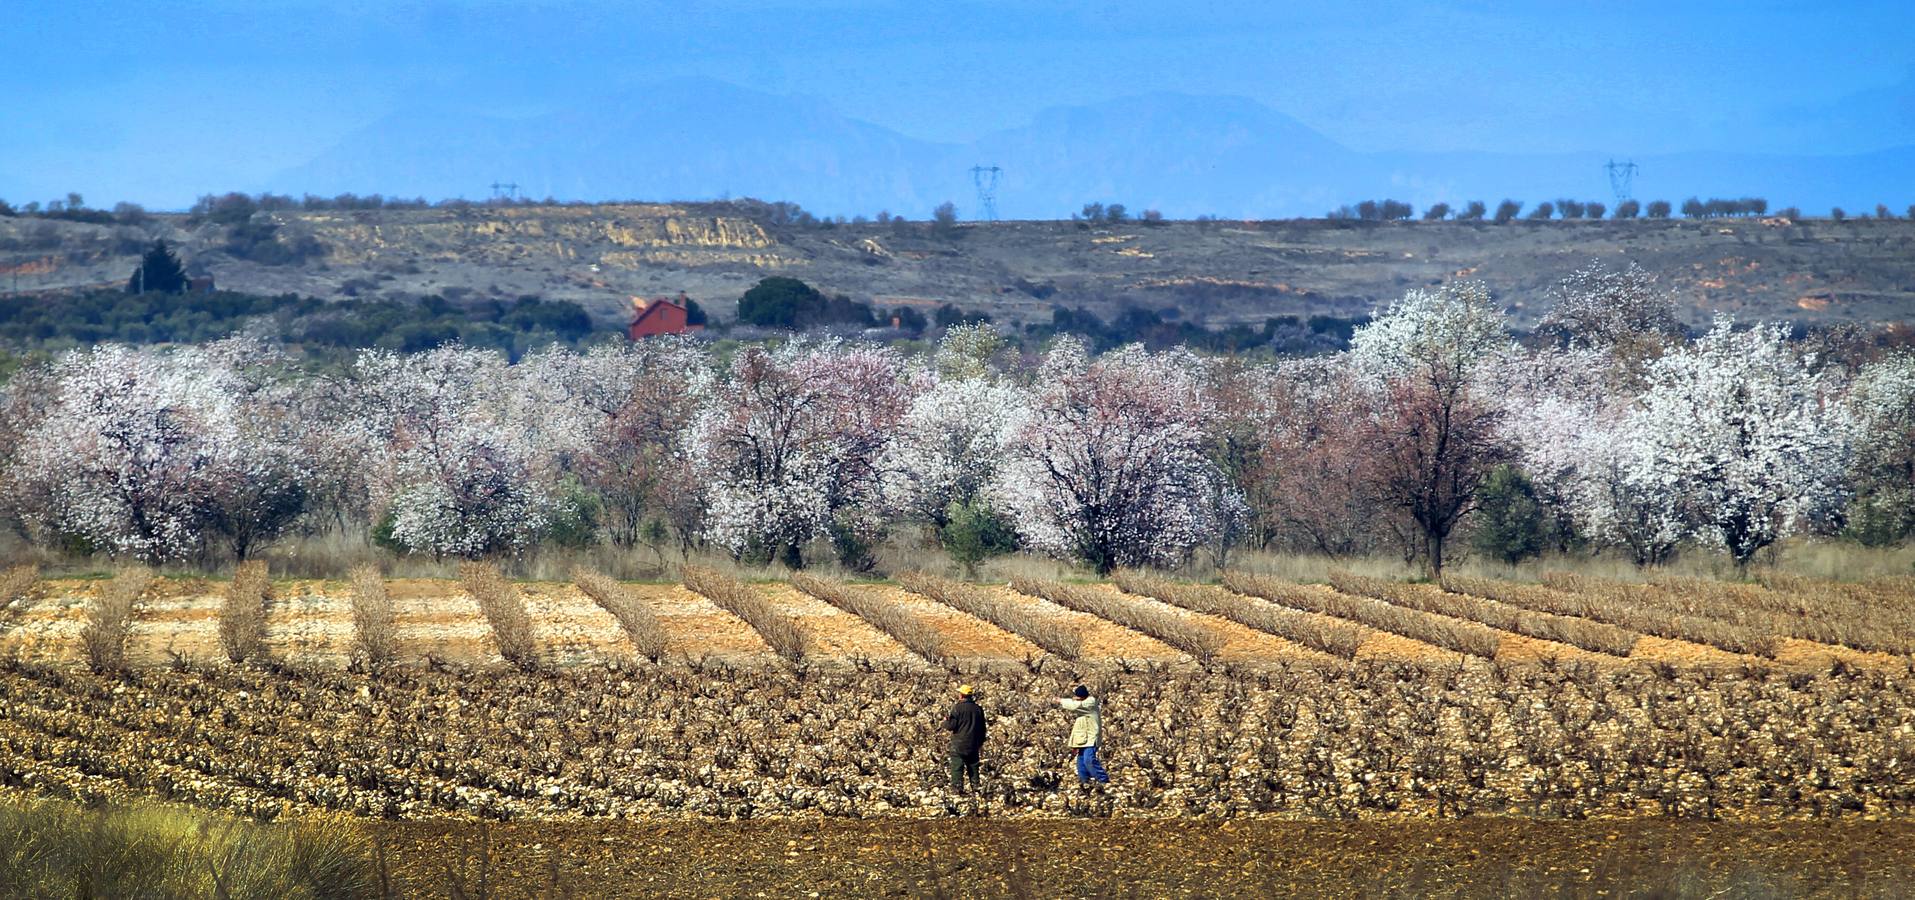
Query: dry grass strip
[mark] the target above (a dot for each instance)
(1896, 592)
(1337, 638)
(1733, 605)
(1150, 619)
(920, 636)
(242, 618)
(738, 598)
(103, 637)
(1470, 638)
(1829, 617)
(504, 609)
(1623, 612)
(1892, 594)
(633, 614)
(17, 588)
(1576, 632)
(1048, 634)
(375, 636)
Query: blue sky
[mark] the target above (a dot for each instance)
(160, 100)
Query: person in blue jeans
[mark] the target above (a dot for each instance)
(1087, 731)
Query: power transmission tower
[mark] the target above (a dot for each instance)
(985, 178)
(509, 191)
(1622, 177)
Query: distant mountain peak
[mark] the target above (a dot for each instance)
(698, 137)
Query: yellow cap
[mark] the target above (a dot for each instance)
(964, 689)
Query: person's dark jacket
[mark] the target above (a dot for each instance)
(966, 725)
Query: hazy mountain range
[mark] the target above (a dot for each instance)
(1185, 155)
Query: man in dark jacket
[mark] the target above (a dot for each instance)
(966, 725)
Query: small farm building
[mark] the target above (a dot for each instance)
(660, 315)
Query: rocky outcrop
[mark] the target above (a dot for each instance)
(622, 235)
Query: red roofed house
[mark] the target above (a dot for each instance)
(660, 316)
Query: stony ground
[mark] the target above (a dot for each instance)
(1272, 769)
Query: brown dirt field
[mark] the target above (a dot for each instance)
(49, 628)
(417, 588)
(1652, 649)
(1102, 640)
(695, 628)
(976, 638)
(176, 617)
(1812, 655)
(1386, 645)
(1523, 648)
(1242, 644)
(310, 620)
(1383, 645)
(444, 624)
(831, 631)
(956, 858)
(569, 628)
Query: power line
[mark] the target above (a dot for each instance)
(985, 178)
(1622, 178)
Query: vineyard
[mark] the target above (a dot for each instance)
(485, 698)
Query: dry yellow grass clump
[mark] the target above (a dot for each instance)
(504, 609)
(1470, 638)
(1576, 632)
(242, 618)
(1175, 630)
(16, 590)
(1621, 611)
(107, 617)
(733, 596)
(1759, 631)
(633, 615)
(1047, 633)
(920, 636)
(375, 634)
(1334, 637)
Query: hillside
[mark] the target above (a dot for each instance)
(1210, 272)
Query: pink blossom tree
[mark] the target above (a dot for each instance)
(1433, 432)
(787, 450)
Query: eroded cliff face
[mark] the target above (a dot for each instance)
(624, 236)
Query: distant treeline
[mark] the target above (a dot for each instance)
(323, 327)
(236, 208)
(1567, 208)
(1158, 329)
(782, 302)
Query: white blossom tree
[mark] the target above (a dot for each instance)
(150, 455)
(949, 446)
(1882, 404)
(1615, 481)
(455, 478)
(1626, 313)
(1110, 467)
(1747, 434)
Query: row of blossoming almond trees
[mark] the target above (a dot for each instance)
(1636, 436)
